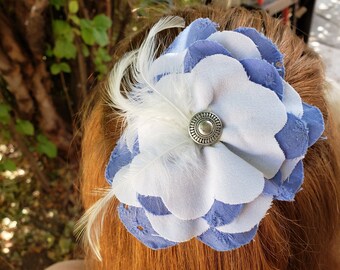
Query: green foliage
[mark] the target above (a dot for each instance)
(85, 50)
(73, 6)
(45, 146)
(5, 135)
(95, 31)
(24, 127)
(64, 38)
(4, 113)
(42, 144)
(65, 245)
(7, 165)
(56, 68)
(58, 3)
(101, 57)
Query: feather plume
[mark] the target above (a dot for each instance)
(126, 98)
(140, 63)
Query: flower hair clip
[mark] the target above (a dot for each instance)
(213, 135)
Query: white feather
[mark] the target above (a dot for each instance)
(90, 225)
(126, 96)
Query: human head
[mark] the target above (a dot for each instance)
(294, 235)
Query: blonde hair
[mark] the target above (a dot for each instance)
(295, 235)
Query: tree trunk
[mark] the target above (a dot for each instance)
(22, 37)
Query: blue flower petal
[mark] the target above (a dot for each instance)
(154, 205)
(266, 47)
(199, 29)
(272, 186)
(293, 137)
(120, 157)
(221, 213)
(312, 117)
(224, 241)
(201, 49)
(136, 222)
(291, 185)
(263, 73)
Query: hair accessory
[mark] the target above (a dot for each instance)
(248, 133)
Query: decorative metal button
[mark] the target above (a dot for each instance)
(205, 128)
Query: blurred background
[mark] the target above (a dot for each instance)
(52, 53)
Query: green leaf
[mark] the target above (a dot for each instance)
(24, 127)
(101, 37)
(87, 32)
(102, 56)
(64, 49)
(73, 7)
(5, 135)
(62, 30)
(7, 165)
(101, 68)
(85, 50)
(57, 3)
(65, 67)
(49, 51)
(64, 245)
(55, 69)
(45, 146)
(75, 19)
(101, 21)
(4, 113)
(64, 36)
(84, 23)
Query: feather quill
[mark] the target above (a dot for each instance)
(122, 97)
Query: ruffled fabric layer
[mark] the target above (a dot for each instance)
(172, 189)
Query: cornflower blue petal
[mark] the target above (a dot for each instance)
(136, 222)
(198, 30)
(221, 213)
(312, 117)
(201, 49)
(224, 241)
(272, 186)
(266, 47)
(154, 205)
(293, 137)
(120, 157)
(291, 185)
(263, 73)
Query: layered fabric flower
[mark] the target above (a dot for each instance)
(171, 187)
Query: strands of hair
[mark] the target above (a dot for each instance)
(294, 235)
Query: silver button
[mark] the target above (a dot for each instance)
(205, 128)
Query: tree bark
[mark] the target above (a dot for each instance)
(22, 65)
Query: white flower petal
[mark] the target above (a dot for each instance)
(239, 45)
(288, 167)
(250, 216)
(178, 177)
(174, 229)
(235, 181)
(251, 115)
(292, 100)
(213, 75)
(125, 192)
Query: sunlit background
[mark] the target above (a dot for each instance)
(325, 35)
